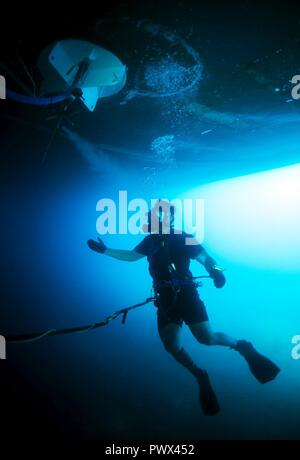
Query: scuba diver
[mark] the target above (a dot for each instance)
(177, 299)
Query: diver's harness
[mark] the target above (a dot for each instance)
(175, 285)
(176, 281)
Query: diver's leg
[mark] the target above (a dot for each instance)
(170, 336)
(194, 313)
(261, 367)
(204, 334)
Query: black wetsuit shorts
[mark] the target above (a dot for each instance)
(184, 305)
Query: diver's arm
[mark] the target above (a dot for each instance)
(123, 254)
(204, 259)
(120, 254)
(212, 268)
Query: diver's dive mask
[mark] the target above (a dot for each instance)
(160, 220)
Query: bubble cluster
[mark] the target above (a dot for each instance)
(163, 148)
(167, 77)
(169, 66)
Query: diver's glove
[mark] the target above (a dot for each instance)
(97, 246)
(216, 274)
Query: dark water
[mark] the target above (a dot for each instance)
(238, 150)
(118, 382)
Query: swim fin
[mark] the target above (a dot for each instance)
(207, 397)
(261, 367)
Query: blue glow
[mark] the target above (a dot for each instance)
(255, 219)
(62, 283)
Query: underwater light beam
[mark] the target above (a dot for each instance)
(255, 219)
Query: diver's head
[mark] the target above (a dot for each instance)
(160, 220)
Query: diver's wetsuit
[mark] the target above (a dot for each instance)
(178, 300)
(177, 296)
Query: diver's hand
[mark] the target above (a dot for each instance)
(216, 274)
(97, 246)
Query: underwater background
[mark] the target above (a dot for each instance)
(192, 122)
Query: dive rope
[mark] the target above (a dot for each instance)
(26, 338)
(33, 337)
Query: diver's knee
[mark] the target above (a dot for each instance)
(207, 339)
(172, 348)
